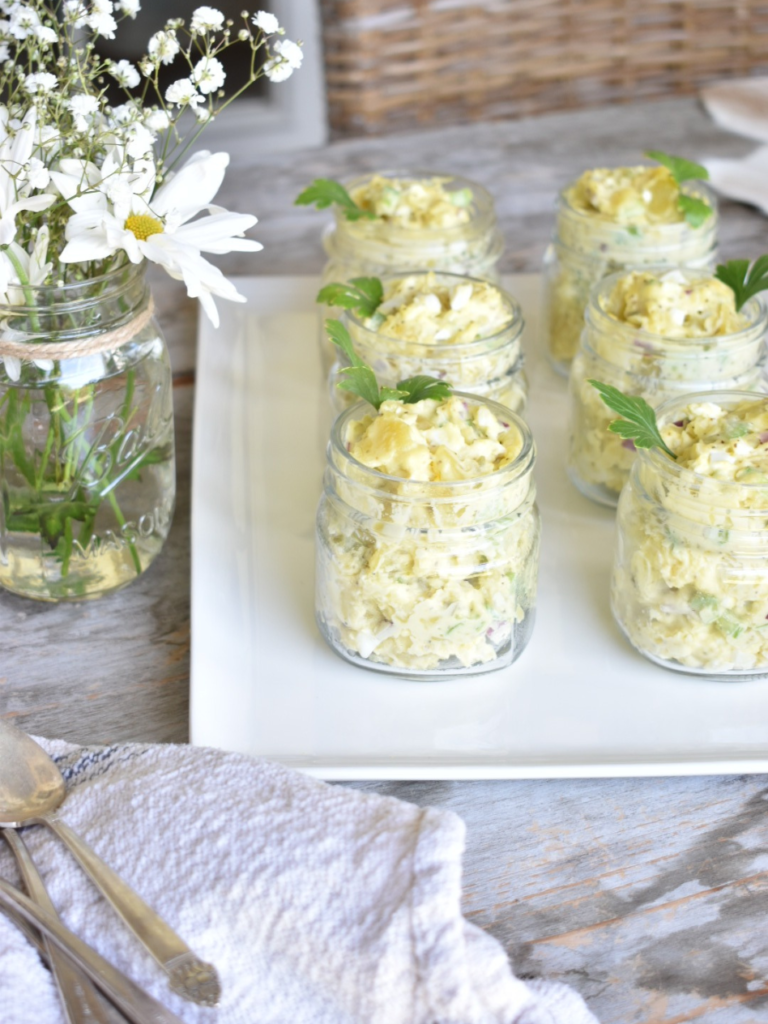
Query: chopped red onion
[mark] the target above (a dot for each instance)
(629, 444)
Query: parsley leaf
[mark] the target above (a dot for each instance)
(682, 169)
(743, 281)
(360, 380)
(324, 192)
(639, 419)
(694, 210)
(362, 294)
(420, 387)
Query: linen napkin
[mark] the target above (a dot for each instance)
(741, 106)
(317, 904)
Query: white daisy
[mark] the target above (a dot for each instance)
(208, 75)
(267, 22)
(206, 19)
(35, 270)
(125, 74)
(16, 143)
(163, 230)
(163, 47)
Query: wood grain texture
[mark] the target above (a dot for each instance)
(648, 895)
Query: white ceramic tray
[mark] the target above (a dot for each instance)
(578, 702)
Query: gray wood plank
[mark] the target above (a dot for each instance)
(647, 895)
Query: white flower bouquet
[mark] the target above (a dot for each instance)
(90, 191)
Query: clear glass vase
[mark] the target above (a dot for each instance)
(87, 472)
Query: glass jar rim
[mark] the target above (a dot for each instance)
(482, 216)
(689, 188)
(466, 349)
(77, 293)
(669, 468)
(598, 318)
(507, 474)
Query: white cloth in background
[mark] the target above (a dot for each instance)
(317, 904)
(741, 106)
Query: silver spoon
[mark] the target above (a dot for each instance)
(80, 1000)
(31, 789)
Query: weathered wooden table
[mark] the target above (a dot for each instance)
(648, 895)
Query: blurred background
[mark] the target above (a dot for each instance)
(378, 66)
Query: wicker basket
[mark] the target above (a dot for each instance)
(396, 64)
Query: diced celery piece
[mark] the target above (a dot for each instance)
(462, 197)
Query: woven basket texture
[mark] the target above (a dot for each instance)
(399, 64)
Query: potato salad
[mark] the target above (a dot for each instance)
(450, 327)
(655, 334)
(415, 205)
(612, 219)
(428, 537)
(690, 583)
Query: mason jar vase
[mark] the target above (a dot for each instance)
(650, 366)
(422, 579)
(87, 476)
(374, 248)
(586, 248)
(690, 578)
(489, 367)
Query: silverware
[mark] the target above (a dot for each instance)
(81, 1002)
(133, 1002)
(31, 789)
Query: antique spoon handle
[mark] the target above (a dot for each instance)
(191, 977)
(82, 1003)
(136, 1004)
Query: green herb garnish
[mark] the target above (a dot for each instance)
(360, 380)
(638, 421)
(324, 192)
(362, 294)
(694, 210)
(744, 281)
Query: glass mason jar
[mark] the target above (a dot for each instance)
(690, 576)
(374, 248)
(490, 367)
(86, 437)
(586, 248)
(425, 579)
(652, 367)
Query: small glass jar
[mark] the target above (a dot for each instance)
(588, 247)
(690, 576)
(653, 367)
(374, 248)
(424, 579)
(488, 368)
(87, 471)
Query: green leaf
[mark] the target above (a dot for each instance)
(695, 210)
(362, 294)
(361, 381)
(682, 169)
(639, 419)
(743, 281)
(339, 335)
(416, 389)
(324, 192)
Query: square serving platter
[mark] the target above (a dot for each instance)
(579, 701)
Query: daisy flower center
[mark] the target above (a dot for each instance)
(142, 226)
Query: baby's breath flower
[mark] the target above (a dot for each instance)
(206, 19)
(4, 52)
(208, 75)
(101, 20)
(35, 174)
(288, 59)
(139, 141)
(203, 114)
(125, 74)
(156, 120)
(163, 47)
(146, 67)
(23, 21)
(243, 35)
(267, 22)
(183, 92)
(82, 108)
(40, 82)
(125, 113)
(129, 7)
(75, 12)
(45, 34)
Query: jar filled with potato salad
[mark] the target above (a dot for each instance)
(446, 326)
(690, 578)
(419, 221)
(655, 334)
(428, 537)
(609, 220)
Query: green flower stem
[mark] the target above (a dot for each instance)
(121, 520)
